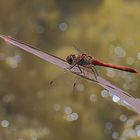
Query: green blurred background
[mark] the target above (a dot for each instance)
(31, 108)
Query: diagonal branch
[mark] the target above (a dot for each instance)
(121, 96)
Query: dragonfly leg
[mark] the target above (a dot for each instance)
(94, 71)
(80, 69)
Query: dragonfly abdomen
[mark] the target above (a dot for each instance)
(124, 68)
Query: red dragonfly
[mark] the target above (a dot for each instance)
(90, 62)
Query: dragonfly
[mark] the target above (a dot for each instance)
(90, 62)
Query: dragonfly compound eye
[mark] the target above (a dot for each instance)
(70, 59)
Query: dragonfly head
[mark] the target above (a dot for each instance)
(71, 59)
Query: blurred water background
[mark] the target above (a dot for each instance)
(31, 108)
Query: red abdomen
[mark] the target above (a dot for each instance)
(123, 68)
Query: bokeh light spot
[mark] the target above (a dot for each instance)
(93, 98)
(108, 125)
(119, 52)
(110, 72)
(4, 123)
(63, 26)
(74, 116)
(104, 93)
(130, 122)
(129, 60)
(13, 61)
(138, 55)
(115, 135)
(68, 110)
(137, 128)
(123, 117)
(115, 98)
(56, 107)
(80, 87)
